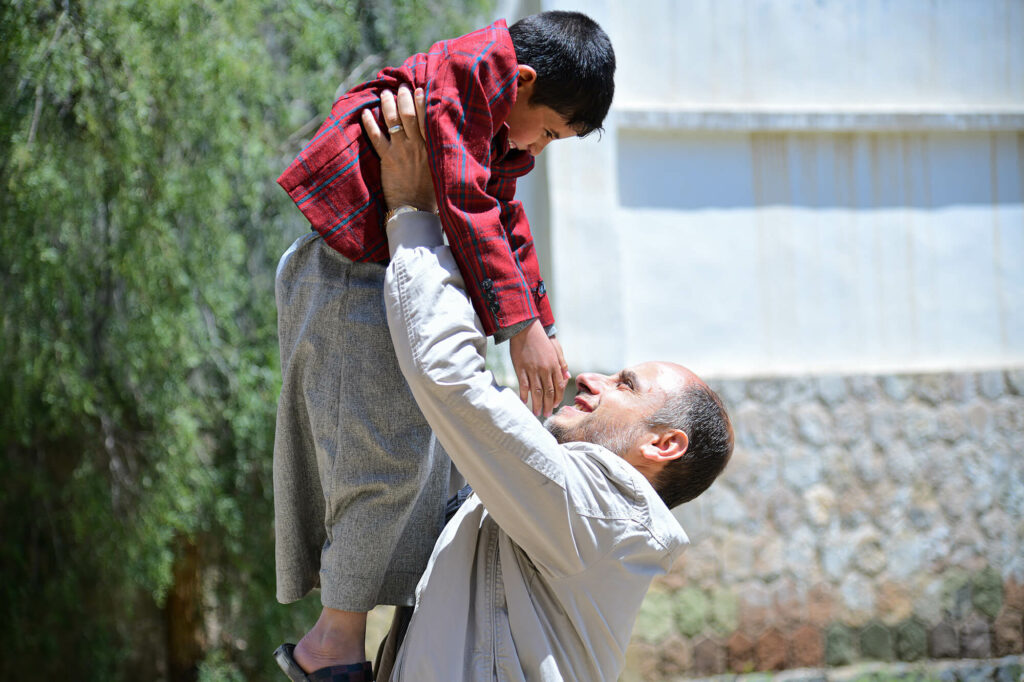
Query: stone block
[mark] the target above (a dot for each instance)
(820, 605)
(723, 611)
(933, 389)
(883, 424)
(740, 653)
(765, 390)
(876, 642)
(864, 387)
(692, 611)
(1008, 633)
(754, 607)
(675, 657)
(951, 423)
(956, 593)
(641, 663)
(832, 390)
(801, 467)
(894, 604)
(987, 592)
(858, 594)
(808, 647)
(897, 387)
(655, 621)
(1015, 380)
(851, 423)
(975, 638)
(944, 641)
(813, 424)
(708, 657)
(840, 645)
(770, 650)
(869, 556)
(790, 603)
(911, 640)
(991, 384)
(1013, 594)
(978, 673)
(820, 503)
(1009, 670)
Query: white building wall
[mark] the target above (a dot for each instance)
(794, 186)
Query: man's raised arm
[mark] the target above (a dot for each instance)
(514, 465)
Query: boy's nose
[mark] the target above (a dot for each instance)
(537, 147)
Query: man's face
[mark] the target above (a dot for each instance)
(612, 411)
(531, 128)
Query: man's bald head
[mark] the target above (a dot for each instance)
(660, 417)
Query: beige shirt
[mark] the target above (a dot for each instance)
(540, 574)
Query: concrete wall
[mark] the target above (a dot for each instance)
(796, 186)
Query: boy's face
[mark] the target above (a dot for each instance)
(531, 128)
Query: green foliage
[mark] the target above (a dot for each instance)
(139, 143)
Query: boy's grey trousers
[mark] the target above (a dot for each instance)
(359, 481)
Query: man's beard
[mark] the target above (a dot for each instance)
(591, 429)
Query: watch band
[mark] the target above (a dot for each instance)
(404, 208)
(398, 210)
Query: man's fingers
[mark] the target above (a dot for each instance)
(524, 387)
(407, 113)
(420, 100)
(389, 110)
(377, 139)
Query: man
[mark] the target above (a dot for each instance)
(541, 572)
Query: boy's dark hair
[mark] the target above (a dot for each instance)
(699, 412)
(575, 66)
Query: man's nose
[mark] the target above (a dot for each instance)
(590, 382)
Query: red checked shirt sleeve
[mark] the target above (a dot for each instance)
(467, 103)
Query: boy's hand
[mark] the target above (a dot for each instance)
(540, 368)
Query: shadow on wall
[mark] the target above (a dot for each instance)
(688, 171)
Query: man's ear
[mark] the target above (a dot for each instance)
(665, 446)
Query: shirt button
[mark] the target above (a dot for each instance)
(486, 284)
(540, 289)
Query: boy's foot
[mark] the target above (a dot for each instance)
(355, 672)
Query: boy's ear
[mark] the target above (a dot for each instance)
(527, 74)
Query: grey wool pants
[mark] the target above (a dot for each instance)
(359, 480)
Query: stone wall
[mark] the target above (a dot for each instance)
(861, 518)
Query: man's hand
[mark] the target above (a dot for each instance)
(404, 173)
(540, 368)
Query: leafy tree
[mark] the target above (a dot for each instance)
(139, 142)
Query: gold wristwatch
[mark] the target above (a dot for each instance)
(399, 210)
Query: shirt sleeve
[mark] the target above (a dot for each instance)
(467, 102)
(520, 472)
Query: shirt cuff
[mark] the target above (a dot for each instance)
(412, 229)
(506, 333)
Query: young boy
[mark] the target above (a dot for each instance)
(359, 482)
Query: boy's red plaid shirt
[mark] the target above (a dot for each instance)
(470, 85)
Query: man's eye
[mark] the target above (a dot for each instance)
(550, 134)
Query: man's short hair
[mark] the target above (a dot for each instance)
(697, 411)
(575, 66)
